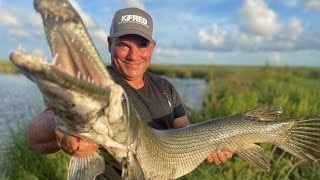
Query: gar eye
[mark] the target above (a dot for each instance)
(124, 98)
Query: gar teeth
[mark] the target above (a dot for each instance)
(45, 14)
(54, 60)
(21, 49)
(78, 75)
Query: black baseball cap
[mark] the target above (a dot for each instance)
(132, 21)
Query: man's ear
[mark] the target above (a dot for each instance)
(109, 43)
(153, 46)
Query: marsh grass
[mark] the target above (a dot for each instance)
(18, 162)
(231, 90)
(6, 67)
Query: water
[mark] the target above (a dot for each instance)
(191, 91)
(20, 99)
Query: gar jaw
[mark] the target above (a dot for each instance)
(57, 9)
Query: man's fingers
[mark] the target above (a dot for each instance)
(228, 154)
(87, 146)
(214, 158)
(219, 157)
(74, 145)
(222, 156)
(59, 136)
(209, 159)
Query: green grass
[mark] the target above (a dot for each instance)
(6, 67)
(18, 162)
(231, 90)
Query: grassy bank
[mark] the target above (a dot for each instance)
(6, 67)
(231, 90)
(19, 163)
(237, 89)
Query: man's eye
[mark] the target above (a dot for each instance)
(144, 44)
(122, 45)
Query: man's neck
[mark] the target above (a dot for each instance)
(136, 84)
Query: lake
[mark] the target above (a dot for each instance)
(20, 99)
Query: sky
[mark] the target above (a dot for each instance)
(207, 32)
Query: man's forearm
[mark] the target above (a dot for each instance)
(41, 133)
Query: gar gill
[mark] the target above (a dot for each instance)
(87, 101)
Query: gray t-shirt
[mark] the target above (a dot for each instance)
(157, 102)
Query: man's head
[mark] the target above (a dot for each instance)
(131, 43)
(132, 21)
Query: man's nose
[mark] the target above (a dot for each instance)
(133, 54)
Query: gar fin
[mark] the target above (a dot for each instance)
(86, 168)
(254, 155)
(264, 112)
(302, 138)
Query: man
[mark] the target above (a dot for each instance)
(131, 45)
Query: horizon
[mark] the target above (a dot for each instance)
(216, 32)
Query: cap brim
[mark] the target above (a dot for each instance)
(132, 31)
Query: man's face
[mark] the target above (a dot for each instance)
(130, 56)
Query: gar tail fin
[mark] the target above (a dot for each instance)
(302, 138)
(86, 168)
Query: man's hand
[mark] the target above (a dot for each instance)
(219, 157)
(73, 145)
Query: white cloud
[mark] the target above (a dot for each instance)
(100, 35)
(262, 36)
(255, 17)
(290, 3)
(164, 52)
(87, 20)
(19, 33)
(215, 37)
(38, 52)
(312, 4)
(294, 29)
(307, 4)
(35, 19)
(135, 3)
(8, 18)
(242, 40)
(288, 38)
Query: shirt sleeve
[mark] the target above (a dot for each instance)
(178, 108)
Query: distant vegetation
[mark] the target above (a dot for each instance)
(6, 67)
(231, 90)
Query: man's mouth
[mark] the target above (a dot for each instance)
(132, 63)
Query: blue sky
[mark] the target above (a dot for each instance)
(221, 32)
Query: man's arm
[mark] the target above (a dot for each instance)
(216, 157)
(46, 138)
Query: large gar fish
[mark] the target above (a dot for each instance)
(87, 101)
